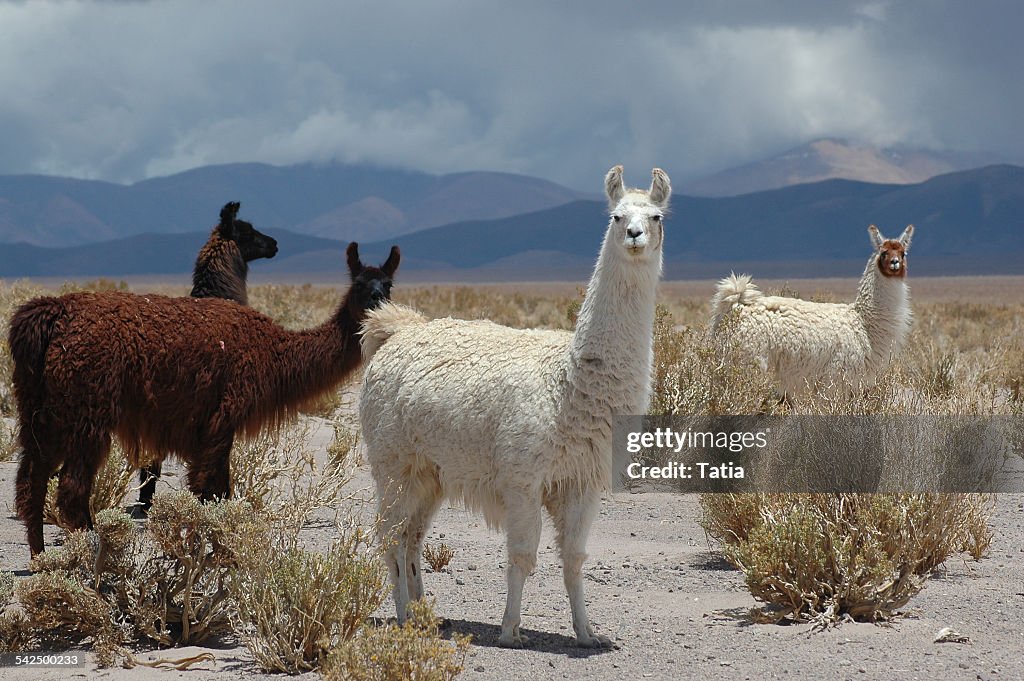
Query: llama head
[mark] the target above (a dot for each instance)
(251, 243)
(892, 253)
(637, 215)
(371, 286)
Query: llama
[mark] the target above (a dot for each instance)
(509, 421)
(180, 376)
(223, 262)
(220, 272)
(808, 345)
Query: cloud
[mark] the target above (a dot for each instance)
(124, 91)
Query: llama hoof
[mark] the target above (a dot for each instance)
(517, 641)
(595, 641)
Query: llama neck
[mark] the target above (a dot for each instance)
(322, 356)
(611, 351)
(883, 304)
(220, 272)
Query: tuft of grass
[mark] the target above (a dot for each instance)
(389, 653)
(438, 557)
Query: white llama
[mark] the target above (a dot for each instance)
(808, 345)
(511, 421)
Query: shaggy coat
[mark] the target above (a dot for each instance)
(223, 262)
(164, 375)
(220, 272)
(510, 421)
(809, 345)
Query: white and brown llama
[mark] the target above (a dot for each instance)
(809, 346)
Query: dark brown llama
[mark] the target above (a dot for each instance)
(164, 375)
(223, 262)
(220, 272)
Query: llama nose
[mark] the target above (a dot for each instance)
(633, 233)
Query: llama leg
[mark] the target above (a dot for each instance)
(209, 472)
(148, 477)
(523, 519)
(416, 532)
(392, 528)
(85, 456)
(573, 515)
(34, 471)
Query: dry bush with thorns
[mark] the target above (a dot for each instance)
(817, 557)
(438, 557)
(295, 606)
(412, 651)
(279, 476)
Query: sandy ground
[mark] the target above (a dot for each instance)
(672, 605)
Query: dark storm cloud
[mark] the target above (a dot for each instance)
(128, 90)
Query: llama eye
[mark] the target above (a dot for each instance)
(656, 218)
(616, 217)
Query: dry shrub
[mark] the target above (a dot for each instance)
(16, 632)
(112, 483)
(439, 556)
(278, 475)
(165, 584)
(343, 447)
(695, 374)
(818, 557)
(393, 653)
(8, 439)
(294, 606)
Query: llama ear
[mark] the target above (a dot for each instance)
(613, 186)
(876, 237)
(661, 188)
(907, 235)
(227, 219)
(391, 264)
(355, 265)
(229, 212)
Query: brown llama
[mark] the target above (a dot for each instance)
(220, 272)
(181, 376)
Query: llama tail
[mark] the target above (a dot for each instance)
(31, 328)
(384, 322)
(732, 291)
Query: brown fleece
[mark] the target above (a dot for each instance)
(164, 375)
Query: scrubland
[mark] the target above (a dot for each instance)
(285, 576)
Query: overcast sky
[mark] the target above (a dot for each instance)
(124, 91)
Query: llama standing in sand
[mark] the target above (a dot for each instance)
(808, 345)
(220, 272)
(510, 422)
(165, 375)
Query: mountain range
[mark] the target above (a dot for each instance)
(968, 222)
(832, 159)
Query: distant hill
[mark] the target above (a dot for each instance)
(969, 222)
(336, 201)
(828, 159)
